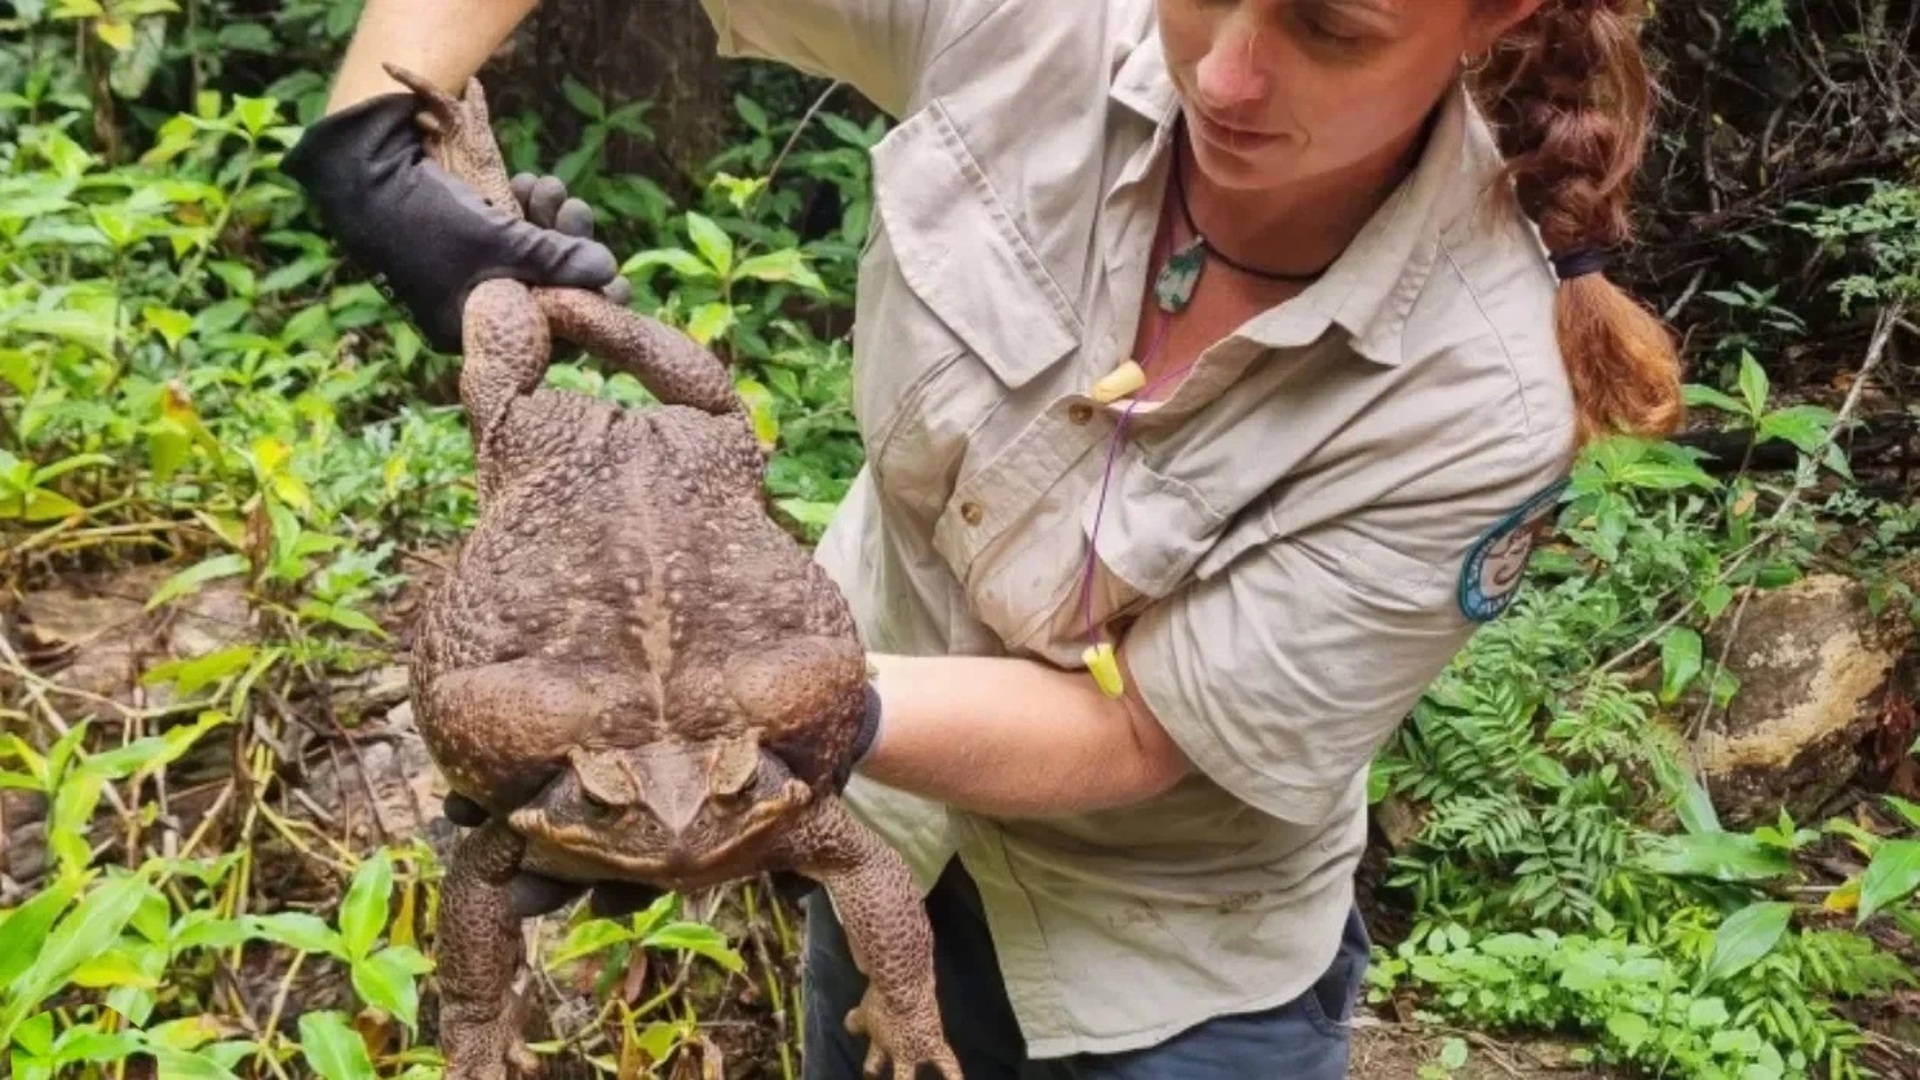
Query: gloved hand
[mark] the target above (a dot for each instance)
(531, 894)
(430, 235)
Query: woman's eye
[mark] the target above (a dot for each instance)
(1333, 34)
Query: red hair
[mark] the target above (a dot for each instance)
(1569, 97)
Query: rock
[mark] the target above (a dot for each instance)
(1815, 667)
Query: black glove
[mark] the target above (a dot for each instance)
(531, 894)
(430, 235)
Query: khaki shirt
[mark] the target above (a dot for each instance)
(1307, 530)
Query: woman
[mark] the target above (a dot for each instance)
(1212, 384)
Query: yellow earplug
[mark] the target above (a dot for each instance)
(1118, 383)
(1104, 666)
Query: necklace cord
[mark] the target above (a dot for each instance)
(1186, 213)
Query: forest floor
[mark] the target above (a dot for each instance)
(377, 786)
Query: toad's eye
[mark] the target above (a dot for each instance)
(596, 809)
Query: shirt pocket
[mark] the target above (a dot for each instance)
(955, 311)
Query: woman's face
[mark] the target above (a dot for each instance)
(1279, 91)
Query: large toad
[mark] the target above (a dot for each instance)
(636, 672)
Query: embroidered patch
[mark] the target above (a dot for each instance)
(1490, 577)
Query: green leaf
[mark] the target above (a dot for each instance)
(92, 328)
(118, 35)
(333, 1047)
(1715, 599)
(188, 1066)
(581, 98)
(786, 265)
(699, 939)
(186, 1033)
(1805, 426)
(172, 325)
(116, 967)
(1707, 1013)
(1629, 1027)
(1746, 938)
(92, 924)
(209, 569)
(709, 322)
(586, 939)
(1721, 856)
(751, 112)
(809, 512)
(1695, 394)
(711, 241)
(363, 914)
(1904, 807)
(300, 930)
(1680, 652)
(195, 672)
(1695, 806)
(25, 928)
(256, 114)
(385, 981)
(44, 505)
(1892, 875)
(88, 1043)
(168, 445)
(679, 260)
(1753, 383)
(760, 409)
(202, 928)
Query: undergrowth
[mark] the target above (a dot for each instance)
(191, 379)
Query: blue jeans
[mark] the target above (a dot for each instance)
(1308, 1038)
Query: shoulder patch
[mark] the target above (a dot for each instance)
(1491, 573)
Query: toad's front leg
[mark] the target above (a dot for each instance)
(888, 934)
(477, 951)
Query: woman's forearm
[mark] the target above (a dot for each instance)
(1013, 738)
(445, 41)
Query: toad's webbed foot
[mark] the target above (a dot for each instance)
(889, 937)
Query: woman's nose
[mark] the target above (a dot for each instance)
(1230, 76)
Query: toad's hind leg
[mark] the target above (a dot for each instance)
(672, 366)
(477, 952)
(889, 937)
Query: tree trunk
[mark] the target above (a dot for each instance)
(661, 52)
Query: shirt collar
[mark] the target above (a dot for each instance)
(1371, 288)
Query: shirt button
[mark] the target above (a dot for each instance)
(972, 512)
(1079, 412)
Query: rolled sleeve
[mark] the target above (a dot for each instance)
(1283, 675)
(879, 47)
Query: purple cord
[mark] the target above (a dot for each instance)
(1113, 450)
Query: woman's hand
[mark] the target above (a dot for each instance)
(430, 235)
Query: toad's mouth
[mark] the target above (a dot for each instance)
(677, 856)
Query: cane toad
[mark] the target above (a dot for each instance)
(629, 665)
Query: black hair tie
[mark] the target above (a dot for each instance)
(1583, 260)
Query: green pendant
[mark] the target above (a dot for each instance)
(1174, 288)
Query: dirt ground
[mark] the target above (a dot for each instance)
(1385, 1050)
